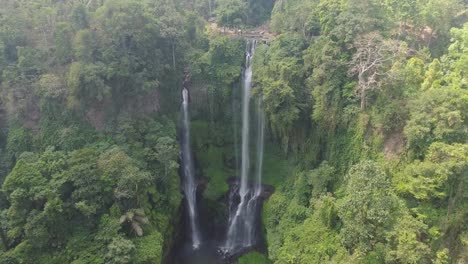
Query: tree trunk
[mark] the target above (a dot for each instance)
(363, 99)
(362, 91)
(45, 38)
(173, 56)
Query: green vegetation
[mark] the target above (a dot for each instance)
(366, 139)
(89, 169)
(374, 115)
(253, 258)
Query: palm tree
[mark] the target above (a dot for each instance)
(135, 218)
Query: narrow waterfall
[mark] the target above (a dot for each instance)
(189, 185)
(241, 226)
(245, 163)
(260, 146)
(235, 131)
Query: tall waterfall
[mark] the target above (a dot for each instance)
(189, 185)
(260, 142)
(241, 231)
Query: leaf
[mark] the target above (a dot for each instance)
(137, 228)
(141, 219)
(139, 212)
(123, 218)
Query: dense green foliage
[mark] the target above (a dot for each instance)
(89, 170)
(242, 13)
(369, 98)
(97, 194)
(366, 104)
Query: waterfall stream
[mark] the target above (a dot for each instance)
(189, 184)
(241, 225)
(260, 147)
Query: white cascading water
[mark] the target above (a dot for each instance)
(189, 186)
(235, 131)
(241, 230)
(260, 146)
(253, 203)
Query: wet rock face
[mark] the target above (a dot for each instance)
(267, 190)
(95, 115)
(213, 224)
(33, 115)
(145, 104)
(23, 106)
(98, 113)
(394, 145)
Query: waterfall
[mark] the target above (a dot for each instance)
(260, 147)
(241, 226)
(235, 131)
(245, 163)
(189, 185)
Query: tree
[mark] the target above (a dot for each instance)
(280, 105)
(278, 82)
(429, 179)
(437, 115)
(132, 50)
(80, 17)
(433, 76)
(120, 170)
(368, 207)
(29, 62)
(85, 45)
(167, 153)
(51, 86)
(436, 185)
(170, 23)
(301, 17)
(370, 62)
(358, 17)
(436, 19)
(457, 58)
(220, 65)
(88, 186)
(313, 240)
(149, 248)
(135, 218)
(87, 84)
(120, 251)
(259, 11)
(18, 141)
(406, 239)
(231, 13)
(320, 178)
(36, 208)
(254, 258)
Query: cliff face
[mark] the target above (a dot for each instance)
(98, 114)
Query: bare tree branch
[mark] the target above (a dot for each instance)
(371, 60)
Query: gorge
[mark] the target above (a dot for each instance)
(233, 131)
(243, 228)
